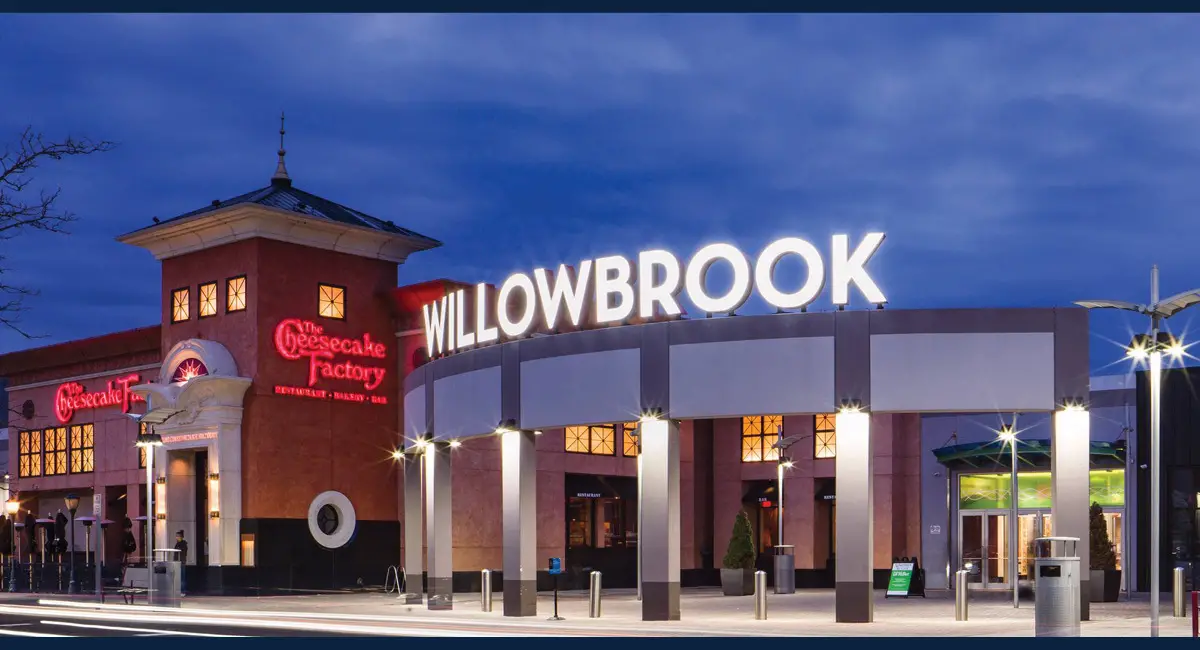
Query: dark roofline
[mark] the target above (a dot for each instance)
(259, 196)
(142, 339)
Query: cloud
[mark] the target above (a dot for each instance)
(1011, 159)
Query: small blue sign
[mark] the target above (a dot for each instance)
(555, 566)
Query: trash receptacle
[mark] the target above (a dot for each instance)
(785, 569)
(165, 578)
(1056, 583)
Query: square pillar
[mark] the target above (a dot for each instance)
(659, 508)
(519, 474)
(438, 526)
(414, 527)
(855, 551)
(1070, 450)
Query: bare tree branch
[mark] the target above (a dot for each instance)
(20, 212)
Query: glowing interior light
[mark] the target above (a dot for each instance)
(455, 444)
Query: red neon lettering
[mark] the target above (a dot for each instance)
(71, 397)
(296, 339)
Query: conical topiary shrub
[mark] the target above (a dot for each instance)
(740, 554)
(737, 568)
(1102, 555)
(1104, 577)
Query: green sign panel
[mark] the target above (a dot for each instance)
(901, 579)
(993, 491)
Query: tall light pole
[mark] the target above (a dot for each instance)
(72, 503)
(1008, 434)
(149, 441)
(1152, 348)
(13, 508)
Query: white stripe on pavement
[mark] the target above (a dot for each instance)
(489, 625)
(133, 629)
(262, 624)
(20, 633)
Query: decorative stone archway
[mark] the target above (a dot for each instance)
(195, 404)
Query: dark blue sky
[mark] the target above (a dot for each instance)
(1012, 160)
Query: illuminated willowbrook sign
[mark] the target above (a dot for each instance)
(607, 287)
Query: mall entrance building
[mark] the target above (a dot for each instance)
(689, 390)
(315, 432)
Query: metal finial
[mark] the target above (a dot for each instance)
(281, 175)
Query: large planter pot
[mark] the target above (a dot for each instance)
(1105, 585)
(737, 582)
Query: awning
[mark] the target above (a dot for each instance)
(1031, 454)
(761, 492)
(593, 486)
(826, 489)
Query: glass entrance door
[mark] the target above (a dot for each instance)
(985, 549)
(998, 545)
(971, 546)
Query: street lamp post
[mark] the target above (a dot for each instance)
(1008, 434)
(13, 508)
(72, 503)
(1151, 349)
(149, 441)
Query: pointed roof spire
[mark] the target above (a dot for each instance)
(281, 175)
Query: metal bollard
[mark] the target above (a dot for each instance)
(961, 591)
(1177, 592)
(485, 591)
(594, 595)
(760, 595)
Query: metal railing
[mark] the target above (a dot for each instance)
(392, 581)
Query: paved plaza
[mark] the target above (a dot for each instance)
(708, 612)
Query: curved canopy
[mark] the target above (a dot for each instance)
(994, 455)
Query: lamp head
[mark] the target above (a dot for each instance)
(1007, 433)
(149, 439)
(1139, 348)
(12, 506)
(505, 426)
(72, 502)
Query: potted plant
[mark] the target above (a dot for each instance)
(1105, 577)
(737, 568)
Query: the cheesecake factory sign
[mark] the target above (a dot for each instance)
(72, 396)
(339, 368)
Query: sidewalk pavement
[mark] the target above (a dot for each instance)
(708, 612)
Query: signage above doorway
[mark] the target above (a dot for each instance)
(332, 358)
(615, 289)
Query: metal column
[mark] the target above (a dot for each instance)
(519, 476)
(438, 528)
(661, 519)
(855, 597)
(414, 526)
